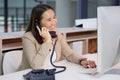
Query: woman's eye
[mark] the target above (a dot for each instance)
(49, 19)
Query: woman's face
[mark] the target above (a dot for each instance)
(49, 20)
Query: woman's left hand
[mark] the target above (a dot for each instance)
(88, 63)
(44, 32)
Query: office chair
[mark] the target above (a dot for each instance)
(11, 61)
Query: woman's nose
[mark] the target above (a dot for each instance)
(54, 22)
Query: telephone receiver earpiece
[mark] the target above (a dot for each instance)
(37, 24)
(52, 33)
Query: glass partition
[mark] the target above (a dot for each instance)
(18, 14)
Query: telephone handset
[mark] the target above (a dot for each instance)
(52, 33)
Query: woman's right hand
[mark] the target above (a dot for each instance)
(88, 63)
(44, 32)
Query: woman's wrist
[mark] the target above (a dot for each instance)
(83, 59)
(47, 40)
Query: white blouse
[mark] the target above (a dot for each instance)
(47, 64)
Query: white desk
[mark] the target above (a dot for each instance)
(87, 35)
(12, 40)
(71, 73)
(67, 75)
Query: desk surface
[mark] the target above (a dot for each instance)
(68, 30)
(12, 40)
(69, 74)
(63, 30)
(9, 35)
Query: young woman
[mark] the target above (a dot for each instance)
(38, 43)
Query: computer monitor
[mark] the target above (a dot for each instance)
(108, 19)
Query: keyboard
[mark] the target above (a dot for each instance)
(75, 67)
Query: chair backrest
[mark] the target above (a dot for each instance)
(11, 61)
(0, 62)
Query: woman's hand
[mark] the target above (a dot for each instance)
(88, 63)
(44, 32)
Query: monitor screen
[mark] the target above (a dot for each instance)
(108, 19)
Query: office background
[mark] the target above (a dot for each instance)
(14, 14)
